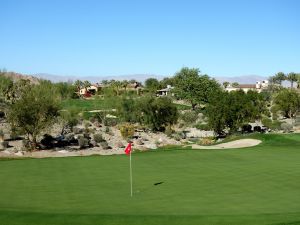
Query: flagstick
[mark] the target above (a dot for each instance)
(130, 175)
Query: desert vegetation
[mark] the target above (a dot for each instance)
(197, 106)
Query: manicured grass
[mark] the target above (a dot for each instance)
(258, 185)
(91, 104)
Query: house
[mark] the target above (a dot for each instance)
(259, 86)
(91, 90)
(165, 91)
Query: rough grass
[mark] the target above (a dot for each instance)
(257, 185)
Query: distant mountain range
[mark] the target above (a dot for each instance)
(248, 79)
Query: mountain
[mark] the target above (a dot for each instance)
(18, 76)
(248, 79)
(96, 79)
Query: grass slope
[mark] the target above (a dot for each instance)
(258, 185)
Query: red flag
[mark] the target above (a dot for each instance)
(128, 149)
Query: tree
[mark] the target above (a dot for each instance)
(125, 84)
(288, 102)
(35, 110)
(78, 84)
(279, 77)
(66, 90)
(167, 81)
(116, 86)
(158, 113)
(86, 84)
(235, 84)
(225, 84)
(127, 110)
(152, 85)
(292, 77)
(231, 110)
(16, 90)
(6, 85)
(194, 87)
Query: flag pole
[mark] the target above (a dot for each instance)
(130, 175)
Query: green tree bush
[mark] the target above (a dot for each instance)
(35, 110)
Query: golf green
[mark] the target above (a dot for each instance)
(257, 185)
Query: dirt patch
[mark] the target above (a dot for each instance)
(242, 143)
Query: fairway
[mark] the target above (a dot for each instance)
(257, 185)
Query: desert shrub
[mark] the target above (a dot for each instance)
(207, 141)
(104, 145)
(127, 130)
(83, 142)
(111, 122)
(266, 122)
(98, 138)
(203, 126)
(275, 125)
(189, 117)
(169, 131)
(286, 127)
(179, 135)
(3, 145)
(107, 130)
(26, 145)
(1, 135)
(77, 130)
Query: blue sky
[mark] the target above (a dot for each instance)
(98, 38)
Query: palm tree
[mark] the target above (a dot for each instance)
(292, 77)
(298, 80)
(116, 84)
(78, 84)
(279, 77)
(86, 84)
(125, 84)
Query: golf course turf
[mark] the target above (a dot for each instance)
(257, 185)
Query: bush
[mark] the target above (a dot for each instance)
(26, 145)
(104, 145)
(77, 130)
(169, 131)
(107, 130)
(207, 141)
(286, 127)
(189, 117)
(98, 138)
(3, 145)
(127, 130)
(275, 125)
(179, 135)
(1, 135)
(83, 142)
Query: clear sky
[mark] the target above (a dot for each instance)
(111, 37)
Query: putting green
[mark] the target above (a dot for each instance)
(257, 185)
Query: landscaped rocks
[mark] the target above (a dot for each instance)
(150, 146)
(3, 145)
(138, 142)
(120, 145)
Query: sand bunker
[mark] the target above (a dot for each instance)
(242, 143)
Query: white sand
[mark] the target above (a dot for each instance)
(243, 143)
